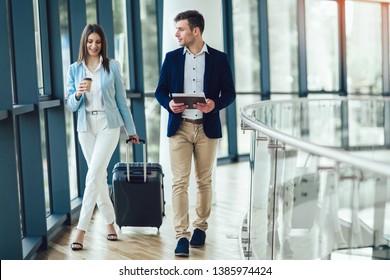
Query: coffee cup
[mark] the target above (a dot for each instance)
(88, 83)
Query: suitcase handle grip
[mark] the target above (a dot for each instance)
(140, 140)
(127, 158)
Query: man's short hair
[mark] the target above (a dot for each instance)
(195, 19)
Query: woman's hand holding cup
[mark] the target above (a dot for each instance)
(84, 86)
(88, 84)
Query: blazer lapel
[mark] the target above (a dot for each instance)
(181, 73)
(207, 70)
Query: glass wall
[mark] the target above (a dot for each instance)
(322, 37)
(42, 113)
(45, 163)
(91, 11)
(122, 55)
(149, 44)
(364, 47)
(151, 71)
(38, 48)
(69, 116)
(19, 179)
(246, 46)
(283, 45)
(120, 38)
(246, 66)
(152, 113)
(366, 124)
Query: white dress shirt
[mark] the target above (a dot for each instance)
(194, 68)
(94, 99)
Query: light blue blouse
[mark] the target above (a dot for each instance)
(113, 93)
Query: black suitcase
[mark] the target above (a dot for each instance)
(138, 193)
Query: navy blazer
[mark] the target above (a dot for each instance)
(218, 86)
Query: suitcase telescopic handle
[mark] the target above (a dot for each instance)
(127, 158)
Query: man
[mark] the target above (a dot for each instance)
(193, 68)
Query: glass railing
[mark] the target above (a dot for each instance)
(320, 179)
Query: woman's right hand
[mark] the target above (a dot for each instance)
(134, 138)
(81, 88)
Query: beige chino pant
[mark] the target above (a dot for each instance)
(191, 141)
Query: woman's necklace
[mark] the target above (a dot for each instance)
(92, 65)
(92, 68)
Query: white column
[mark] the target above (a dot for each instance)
(213, 36)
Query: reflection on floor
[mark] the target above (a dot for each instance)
(142, 243)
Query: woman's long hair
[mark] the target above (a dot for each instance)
(88, 30)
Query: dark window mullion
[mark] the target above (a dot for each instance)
(302, 64)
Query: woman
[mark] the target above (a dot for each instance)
(102, 110)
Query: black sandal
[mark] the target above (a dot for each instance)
(112, 237)
(80, 246)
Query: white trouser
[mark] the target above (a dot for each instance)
(98, 145)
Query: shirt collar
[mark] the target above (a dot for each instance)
(204, 49)
(99, 65)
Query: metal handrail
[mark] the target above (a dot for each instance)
(315, 149)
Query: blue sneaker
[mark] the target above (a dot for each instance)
(182, 248)
(198, 238)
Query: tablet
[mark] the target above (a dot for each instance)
(189, 98)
